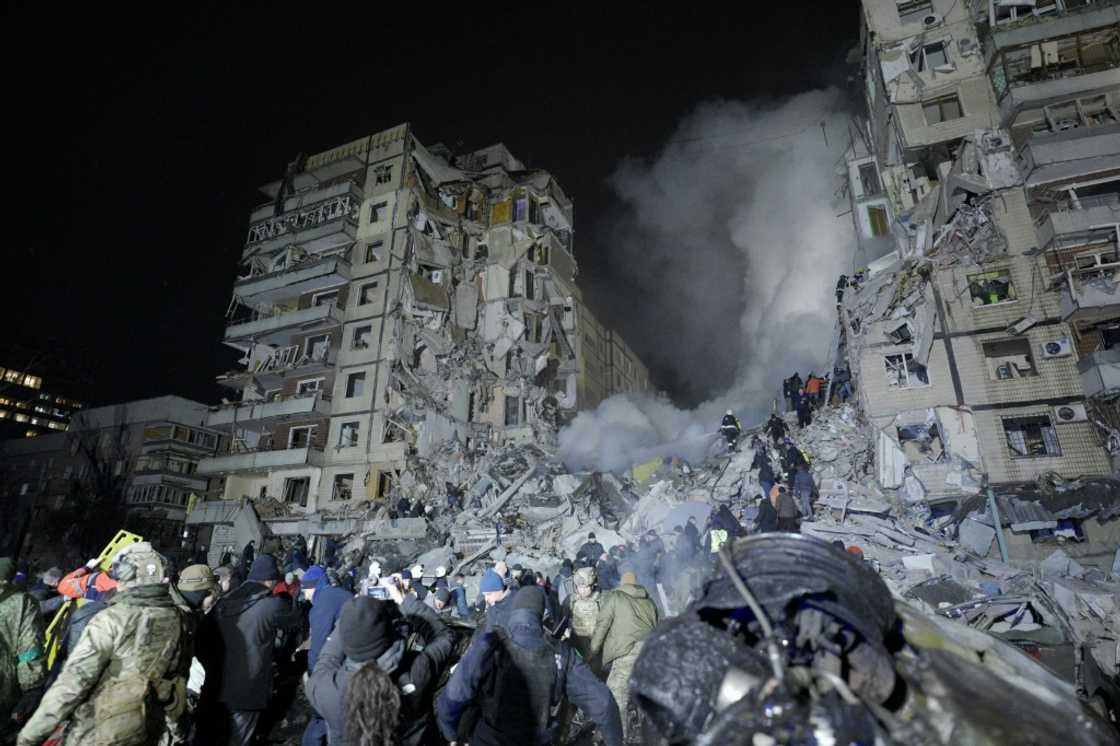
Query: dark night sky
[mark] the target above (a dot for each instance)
(137, 153)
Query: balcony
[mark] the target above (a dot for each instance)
(1087, 214)
(1091, 295)
(308, 276)
(1070, 155)
(275, 326)
(262, 460)
(262, 414)
(328, 222)
(283, 362)
(1100, 372)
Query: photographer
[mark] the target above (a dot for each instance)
(401, 637)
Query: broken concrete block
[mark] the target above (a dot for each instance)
(976, 536)
(1059, 564)
(918, 562)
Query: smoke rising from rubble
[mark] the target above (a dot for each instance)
(730, 237)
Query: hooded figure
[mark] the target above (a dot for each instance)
(519, 678)
(132, 659)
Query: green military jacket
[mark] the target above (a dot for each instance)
(22, 661)
(142, 635)
(626, 616)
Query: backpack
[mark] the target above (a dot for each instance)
(130, 708)
(524, 689)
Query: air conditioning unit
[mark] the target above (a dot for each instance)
(1057, 348)
(967, 46)
(931, 20)
(1070, 413)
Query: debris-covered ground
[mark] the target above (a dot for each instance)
(885, 562)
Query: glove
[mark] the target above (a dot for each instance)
(93, 563)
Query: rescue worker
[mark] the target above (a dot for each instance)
(23, 662)
(626, 616)
(804, 412)
(582, 608)
(776, 428)
(730, 428)
(519, 678)
(786, 508)
(125, 682)
(376, 632)
(813, 388)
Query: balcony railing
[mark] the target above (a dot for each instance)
(1091, 292)
(270, 324)
(263, 459)
(278, 409)
(311, 274)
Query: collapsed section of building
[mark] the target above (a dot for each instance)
(402, 311)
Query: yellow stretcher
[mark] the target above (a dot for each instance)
(52, 639)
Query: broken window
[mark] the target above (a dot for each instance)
(913, 11)
(373, 251)
(901, 335)
(1008, 359)
(921, 443)
(300, 437)
(869, 179)
(990, 288)
(481, 251)
(348, 434)
(355, 384)
(324, 298)
(383, 174)
(530, 285)
(1031, 437)
(534, 211)
(310, 386)
(362, 337)
(343, 487)
(376, 211)
(521, 209)
(933, 56)
(904, 372)
(943, 109)
(296, 489)
(272, 395)
(513, 411)
(315, 347)
(877, 216)
(366, 295)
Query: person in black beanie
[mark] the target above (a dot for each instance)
(235, 646)
(373, 632)
(518, 676)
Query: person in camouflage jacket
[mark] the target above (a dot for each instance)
(125, 681)
(22, 661)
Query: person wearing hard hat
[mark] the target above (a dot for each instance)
(730, 428)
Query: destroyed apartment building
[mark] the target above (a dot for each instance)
(397, 303)
(983, 329)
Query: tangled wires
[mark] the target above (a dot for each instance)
(371, 707)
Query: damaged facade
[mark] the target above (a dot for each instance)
(985, 188)
(397, 303)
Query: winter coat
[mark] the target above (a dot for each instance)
(236, 641)
(326, 605)
(141, 634)
(564, 584)
(472, 679)
(77, 622)
(22, 661)
(326, 688)
(626, 616)
(590, 552)
(607, 572)
(785, 505)
(767, 517)
(248, 554)
(584, 613)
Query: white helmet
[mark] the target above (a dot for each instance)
(441, 571)
(417, 572)
(374, 569)
(730, 412)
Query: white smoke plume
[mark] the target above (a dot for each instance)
(732, 232)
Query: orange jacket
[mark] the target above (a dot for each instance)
(77, 583)
(813, 385)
